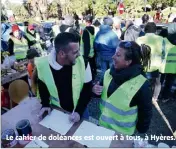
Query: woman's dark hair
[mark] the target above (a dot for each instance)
(138, 54)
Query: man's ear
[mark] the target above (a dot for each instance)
(128, 62)
(61, 54)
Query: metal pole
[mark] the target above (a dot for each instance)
(145, 4)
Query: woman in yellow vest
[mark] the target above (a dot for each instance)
(34, 38)
(126, 98)
(18, 44)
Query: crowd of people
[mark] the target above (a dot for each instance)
(124, 63)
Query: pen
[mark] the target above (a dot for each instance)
(73, 112)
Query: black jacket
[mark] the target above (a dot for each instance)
(142, 99)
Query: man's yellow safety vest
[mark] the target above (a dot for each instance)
(37, 44)
(45, 75)
(169, 62)
(91, 53)
(116, 112)
(20, 47)
(155, 42)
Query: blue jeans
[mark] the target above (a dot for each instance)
(104, 63)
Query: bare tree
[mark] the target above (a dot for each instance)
(36, 8)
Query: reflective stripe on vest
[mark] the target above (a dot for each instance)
(20, 47)
(91, 52)
(156, 44)
(45, 75)
(171, 61)
(168, 65)
(117, 110)
(116, 113)
(171, 54)
(116, 122)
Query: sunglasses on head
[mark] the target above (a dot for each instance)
(126, 44)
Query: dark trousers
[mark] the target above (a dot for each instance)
(93, 67)
(169, 80)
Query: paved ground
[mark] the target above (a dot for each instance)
(157, 127)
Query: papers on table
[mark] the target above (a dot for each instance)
(37, 144)
(57, 121)
(89, 129)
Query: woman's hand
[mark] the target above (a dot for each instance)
(97, 89)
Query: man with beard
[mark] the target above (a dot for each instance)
(62, 79)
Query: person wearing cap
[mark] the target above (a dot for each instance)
(18, 44)
(86, 44)
(62, 78)
(126, 97)
(34, 38)
(156, 44)
(168, 66)
(105, 44)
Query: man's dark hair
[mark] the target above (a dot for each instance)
(164, 33)
(150, 27)
(96, 23)
(26, 23)
(145, 18)
(62, 41)
(89, 18)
